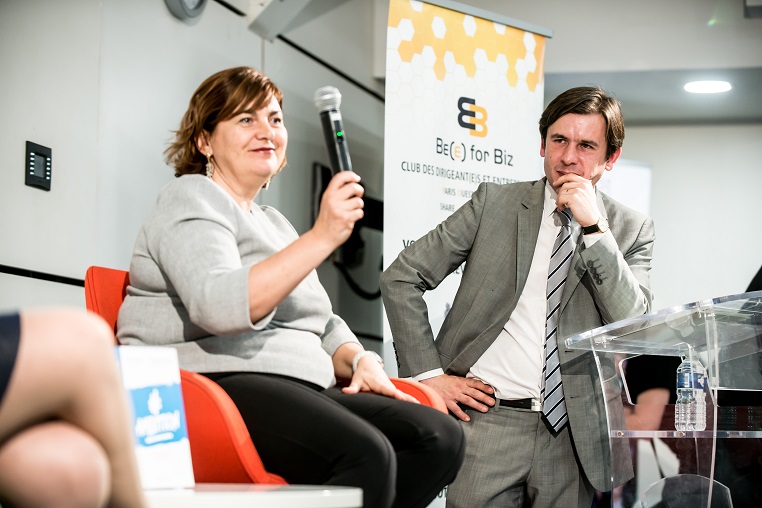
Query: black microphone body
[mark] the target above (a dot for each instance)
(328, 100)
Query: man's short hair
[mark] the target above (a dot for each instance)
(587, 100)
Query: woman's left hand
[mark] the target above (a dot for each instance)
(370, 377)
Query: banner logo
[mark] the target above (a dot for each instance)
(472, 117)
(158, 417)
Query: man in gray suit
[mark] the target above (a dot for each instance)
(489, 359)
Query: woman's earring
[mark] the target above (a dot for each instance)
(209, 165)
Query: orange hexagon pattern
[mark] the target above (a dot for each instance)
(431, 25)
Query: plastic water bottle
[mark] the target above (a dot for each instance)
(690, 407)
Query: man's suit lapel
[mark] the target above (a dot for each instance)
(577, 269)
(529, 220)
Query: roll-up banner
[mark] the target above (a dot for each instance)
(464, 94)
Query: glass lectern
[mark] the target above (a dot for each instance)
(688, 468)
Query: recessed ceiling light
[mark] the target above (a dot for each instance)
(707, 86)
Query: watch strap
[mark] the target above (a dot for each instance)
(591, 229)
(596, 228)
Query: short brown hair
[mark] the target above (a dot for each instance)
(588, 100)
(220, 97)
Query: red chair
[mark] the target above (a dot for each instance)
(221, 448)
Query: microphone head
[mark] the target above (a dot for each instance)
(327, 98)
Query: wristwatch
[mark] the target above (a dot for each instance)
(599, 227)
(359, 355)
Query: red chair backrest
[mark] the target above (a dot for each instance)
(219, 437)
(423, 393)
(105, 289)
(221, 447)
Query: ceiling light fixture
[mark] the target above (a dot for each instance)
(707, 86)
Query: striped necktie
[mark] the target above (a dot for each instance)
(553, 405)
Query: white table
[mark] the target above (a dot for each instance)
(229, 495)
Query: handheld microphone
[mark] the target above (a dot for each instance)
(327, 100)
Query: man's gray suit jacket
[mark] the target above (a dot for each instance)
(495, 235)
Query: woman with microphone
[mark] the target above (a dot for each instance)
(233, 287)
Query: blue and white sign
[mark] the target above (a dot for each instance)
(151, 377)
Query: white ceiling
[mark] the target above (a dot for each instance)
(644, 51)
(657, 97)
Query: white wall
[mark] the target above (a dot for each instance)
(49, 88)
(705, 204)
